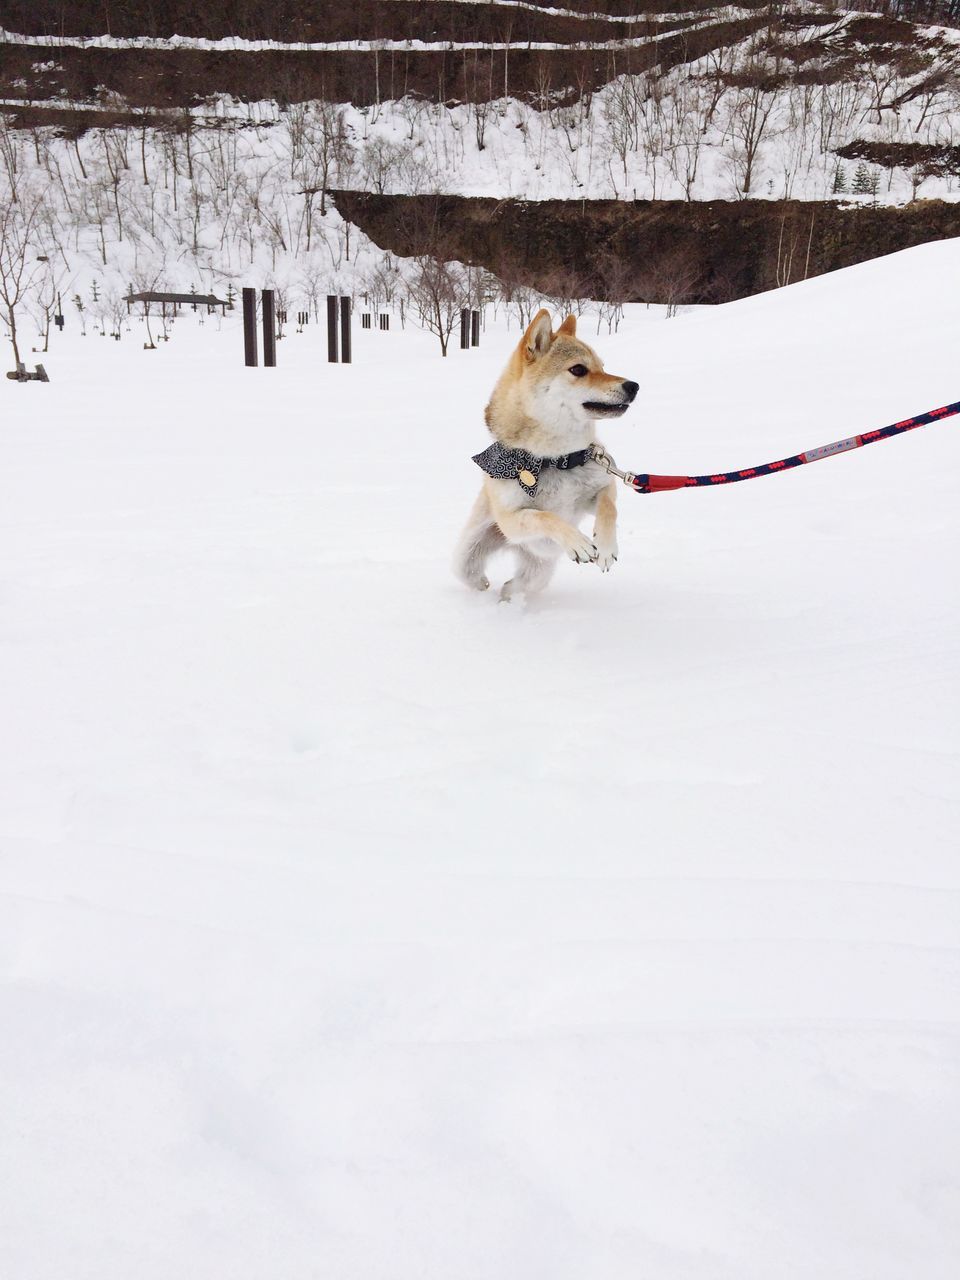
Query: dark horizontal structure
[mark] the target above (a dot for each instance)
(178, 300)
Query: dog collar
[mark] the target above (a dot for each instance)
(525, 468)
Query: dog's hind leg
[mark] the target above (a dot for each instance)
(532, 575)
(480, 538)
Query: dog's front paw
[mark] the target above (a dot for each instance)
(582, 550)
(607, 556)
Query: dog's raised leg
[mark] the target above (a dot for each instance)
(529, 525)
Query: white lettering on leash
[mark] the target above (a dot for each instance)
(828, 450)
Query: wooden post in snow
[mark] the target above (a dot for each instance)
(332, 321)
(269, 330)
(249, 326)
(345, 345)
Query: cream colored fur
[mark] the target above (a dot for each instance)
(540, 406)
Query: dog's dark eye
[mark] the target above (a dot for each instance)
(579, 370)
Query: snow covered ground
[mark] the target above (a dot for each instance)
(355, 926)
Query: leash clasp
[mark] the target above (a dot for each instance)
(599, 454)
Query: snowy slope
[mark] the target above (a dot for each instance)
(355, 926)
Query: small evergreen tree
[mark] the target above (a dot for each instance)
(861, 180)
(839, 180)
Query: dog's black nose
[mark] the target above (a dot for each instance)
(631, 388)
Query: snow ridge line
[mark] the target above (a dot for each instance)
(634, 19)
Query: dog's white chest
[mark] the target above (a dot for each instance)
(569, 494)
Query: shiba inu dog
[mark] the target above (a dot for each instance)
(541, 478)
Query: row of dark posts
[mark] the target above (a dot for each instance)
(469, 329)
(339, 345)
(250, 328)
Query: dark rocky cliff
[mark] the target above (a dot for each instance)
(648, 251)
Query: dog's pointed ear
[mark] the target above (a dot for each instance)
(569, 326)
(538, 337)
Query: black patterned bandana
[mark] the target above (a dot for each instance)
(525, 468)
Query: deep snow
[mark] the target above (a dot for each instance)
(356, 926)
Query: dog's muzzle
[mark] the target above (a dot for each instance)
(613, 409)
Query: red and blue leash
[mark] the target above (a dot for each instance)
(660, 484)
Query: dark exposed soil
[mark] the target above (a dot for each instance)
(292, 20)
(928, 158)
(663, 251)
(175, 78)
(314, 20)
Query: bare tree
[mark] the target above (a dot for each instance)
(749, 118)
(327, 149)
(9, 156)
(46, 296)
(440, 292)
(144, 281)
(380, 283)
(313, 283)
(618, 286)
(22, 259)
(564, 288)
(381, 161)
(478, 87)
(623, 106)
(886, 73)
(673, 278)
(688, 111)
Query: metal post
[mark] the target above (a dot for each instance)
(269, 330)
(345, 329)
(464, 330)
(250, 326)
(332, 340)
(474, 328)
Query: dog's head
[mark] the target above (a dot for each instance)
(555, 385)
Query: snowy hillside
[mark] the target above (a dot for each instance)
(355, 926)
(788, 115)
